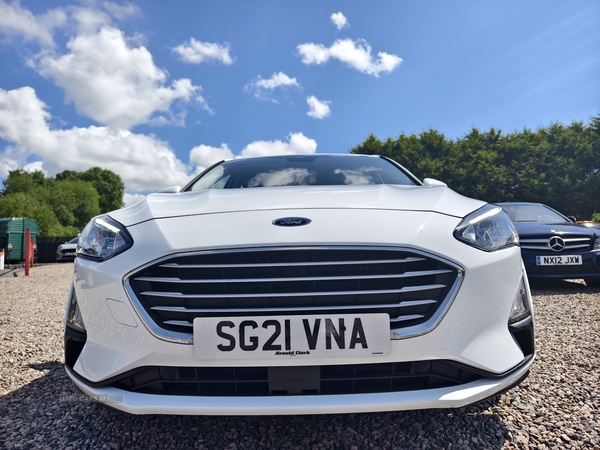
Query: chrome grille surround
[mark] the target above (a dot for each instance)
(436, 275)
(576, 242)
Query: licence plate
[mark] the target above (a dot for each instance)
(310, 336)
(563, 260)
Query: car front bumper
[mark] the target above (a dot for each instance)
(450, 397)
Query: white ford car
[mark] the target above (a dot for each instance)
(304, 284)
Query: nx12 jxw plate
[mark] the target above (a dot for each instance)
(563, 260)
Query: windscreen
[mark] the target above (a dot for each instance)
(533, 213)
(301, 170)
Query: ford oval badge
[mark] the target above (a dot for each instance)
(291, 221)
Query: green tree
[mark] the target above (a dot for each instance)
(62, 205)
(20, 204)
(66, 175)
(474, 166)
(73, 201)
(21, 181)
(109, 185)
(423, 155)
(558, 165)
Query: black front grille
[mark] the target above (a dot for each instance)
(408, 285)
(311, 380)
(572, 243)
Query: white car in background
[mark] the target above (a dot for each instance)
(66, 251)
(304, 284)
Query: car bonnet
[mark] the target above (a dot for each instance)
(526, 229)
(437, 199)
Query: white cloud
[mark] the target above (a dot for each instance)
(314, 53)
(109, 77)
(18, 21)
(298, 144)
(145, 163)
(339, 20)
(34, 167)
(132, 199)
(112, 83)
(318, 109)
(204, 156)
(93, 15)
(90, 20)
(7, 164)
(177, 120)
(195, 52)
(357, 54)
(278, 80)
(121, 11)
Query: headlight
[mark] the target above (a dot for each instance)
(489, 228)
(596, 245)
(103, 238)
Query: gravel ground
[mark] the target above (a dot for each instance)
(556, 407)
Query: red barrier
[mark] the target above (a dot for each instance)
(27, 250)
(32, 250)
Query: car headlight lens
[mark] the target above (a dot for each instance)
(489, 228)
(102, 238)
(596, 245)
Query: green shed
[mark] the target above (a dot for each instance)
(12, 231)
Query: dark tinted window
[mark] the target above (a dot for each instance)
(530, 212)
(301, 170)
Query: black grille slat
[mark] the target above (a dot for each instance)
(293, 280)
(303, 309)
(305, 278)
(298, 264)
(292, 294)
(184, 323)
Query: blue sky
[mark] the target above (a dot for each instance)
(156, 91)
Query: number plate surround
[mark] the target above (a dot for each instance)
(559, 260)
(364, 335)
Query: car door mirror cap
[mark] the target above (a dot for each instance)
(433, 182)
(170, 190)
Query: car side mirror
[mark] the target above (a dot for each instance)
(572, 218)
(170, 190)
(433, 182)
